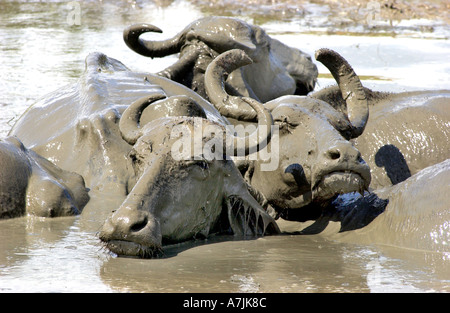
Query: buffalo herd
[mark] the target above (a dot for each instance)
(229, 140)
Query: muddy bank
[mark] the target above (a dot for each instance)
(371, 15)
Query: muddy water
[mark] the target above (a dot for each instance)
(42, 47)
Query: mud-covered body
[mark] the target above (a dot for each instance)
(30, 184)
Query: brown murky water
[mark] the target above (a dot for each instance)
(43, 48)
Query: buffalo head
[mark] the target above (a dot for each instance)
(30, 184)
(277, 69)
(316, 160)
(176, 197)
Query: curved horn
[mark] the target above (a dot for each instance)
(237, 107)
(350, 86)
(215, 76)
(260, 137)
(129, 122)
(178, 70)
(151, 48)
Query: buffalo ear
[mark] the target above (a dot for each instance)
(333, 96)
(245, 215)
(247, 218)
(246, 168)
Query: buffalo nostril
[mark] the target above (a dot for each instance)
(359, 157)
(298, 173)
(334, 154)
(139, 225)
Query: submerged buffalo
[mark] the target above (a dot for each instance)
(413, 214)
(276, 70)
(316, 161)
(172, 200)
(406, 132)
(30, 184)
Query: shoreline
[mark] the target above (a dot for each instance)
(371, 15)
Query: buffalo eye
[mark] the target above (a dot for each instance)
(136, 162)
(202, 164)
(132, 156)
(285, 124)
(282, 124)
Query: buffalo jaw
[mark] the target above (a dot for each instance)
(131, 232)
(325, 186)
(340, 182)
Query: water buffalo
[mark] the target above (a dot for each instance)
(316, 159)
(276, 70)
(406, 132)
(174, 199)
(30, 184)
